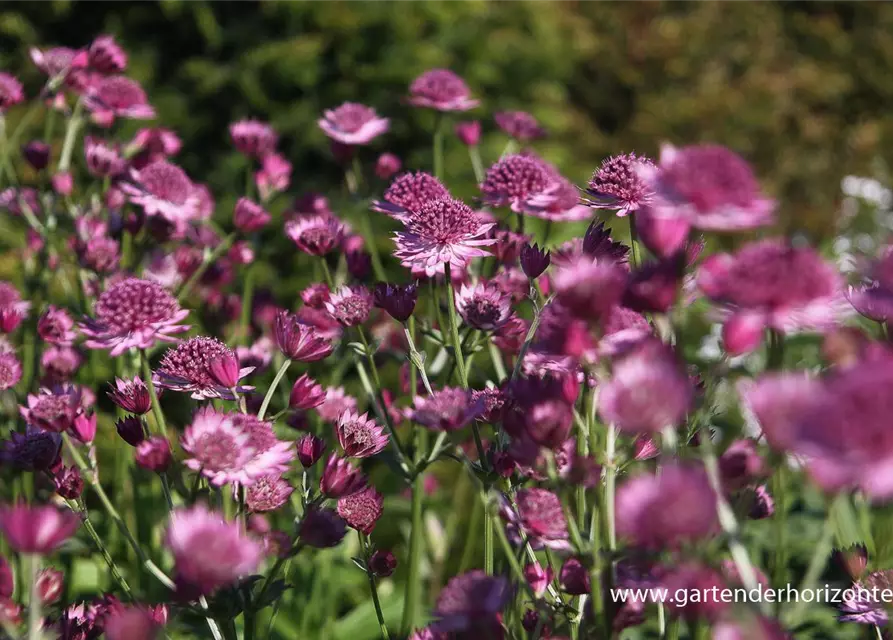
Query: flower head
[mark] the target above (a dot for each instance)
(362, 509)
(268, 493)
(131, 395)
(441, 89)
(387, 165)
(12, 308)
(69, 483)
(117, 97)
(253, 137)
(469, 132)
(483, 307)
(315, 235)
(322, 528)
(306, 394)
(514, 179)
(37, 529)
(340, 478)
(11, 91)
(541, 517)
(382, 563)
(336, 403)
(310, 450)
(53, 409)
(520, 125)
(617, 184)
(442, 231)
(36, 152)
(471, 602)
(589, 288)
(187, 367)
(10, 369)
(163, 189)
(56, 61)
(299, 341)
(397, 300)
(408, 192)
(104, 55)
(248, 216)
(274, 175)
(353, 124)
(208, 551)
(350, 306)
(34, 450)
(154, 454)
(359, 435)
(534, 261)
(447, 409)
(56, 327)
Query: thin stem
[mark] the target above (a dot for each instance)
(413, 583)
(245, 315)
(496, 359)
(454, 327)
(272, 389)
(488, 544)
(474, 153)
(817, 563)
(633, 240)
(610, 486)
(160, 424)
(113, 567)
(417, 361)
(209, 259)
(35, 617)
(74, 123)
(528, 339)
(364, 545)
(438, 146)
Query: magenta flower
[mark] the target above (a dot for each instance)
(617, 184)
(387, 165)
(541, 518)
(534, 261)
(208, 551)
(68, 483)
(133, 314)
(130, 428)
(350, 306)
(574, 577)
(37, 529)
(268, 493)
(443, 231)
(468, 132)
(58, 61)
(163, 189)
(274, 176)
(514, 179)
(187, 367)
(710, 186)
(36, 152)
(56, 327)
(253, 138)
(154, 454)
(382, 563)
(322, 528)
(10, 369)
(668, 509)
(230, 448)
(483, 307)
(248, 216)
(361, 510)
(447, 409)
(540, 408)
(874, 297)
(106, 56)
(353, 124)
(131, 395)
(340, 478)
(470, 603)
(117, 97)
(397, 300)
(153, 144)
(299, 341)
(520, 125)
(60, 364)
(131, 623)
(53, 409)
(12, 308)
(336, 403)
(315, 235)
(441, 89)
(408, 192)
(34, 450)
(11, 91)
(589, 288)
(306, 394)
(104, 160)
(359, 435)
(310, 450)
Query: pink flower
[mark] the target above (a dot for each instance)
(253, 137)
(514, 179)
(408, 193)
(153, 144)
(665, 510)
(520, 125)
(340, 478)
(315, 235)
(208, 551)
(104, 160)
(131, 395)
(131, 623)
(187, 367)
(10, 369)
(56, 327)
(299, 341)
(441, 89)
(154, 454)
(12, 308)
(387, 165)
(117, 97)
(306, 394)
(37, 529)
(874, 297)
(617, 184)
(350, 306)
(541, 517)
(353, 124)
(335, 404)
(359, 435)
(448, 409)
(53, 409)
(274, 176)
(58, 61)
(310, 450)
(249, 216)
(443, 231)
(469, 132)
(133, 314)
(164, 189)
(540, 408)
(106, 56)
(268, 493)
(483, 307)
(470, 603)
(11, 91)
(361, 510)
(230, 448)
(589, 288)
(397, 300)
(710, 186)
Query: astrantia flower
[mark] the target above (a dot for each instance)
(12, 308)
(11, 91)
(57, 60)
(306, 394)
(299, 341)
(37, 529)
(350, 306)
(443, 231)
(397, 300)
(131, 395)
(710, 186)
(315, 235)
(274, 175)
(514, 179)
(353, 124)
(133, 314)
(234, 448)
(322, 528)
(468, 132)
(359, 435)
(471, 603)
(268, 493)
(335, 404)
(10, 369)
(187, 367)
(154, 454)
(520, 125)
(541, 517)
(540, 408)
(665, 510)
(362, 509)
(34, 450)
(253, 138)
(441, 89)
(340, 478)
(589, 288)
(106, 56)
(866, 605)
(248, 216)
(55, 326)
(408, 192)
(163, 189)
(774, 285)
(104, 160)
(617, 184)
(447, 409)
(59, 364)
(874, 297)
(208, 551)
(53, 409)
(597, 243)
(117, 97)
(649, 390)
(483, 307)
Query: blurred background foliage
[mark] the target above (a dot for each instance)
(801, 89)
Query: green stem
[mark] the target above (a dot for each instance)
(610, 486)
(113, 567)
(160, 424)
(475, 154)
(528, 339)
(74, 123)
(498, 364)
(454, 327)
(633, 240)
(209, 259)
(413, 597)
(272, 389)
(417, 361)
(381, 413)
(35, 617)
(245, 315)
(364, 545)
(488, 545)
(438, 146)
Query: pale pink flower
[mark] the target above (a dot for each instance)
(353, 124)
(253, 137)
(408, 192)
(483, 307)
(441, 89)
(617, 184)
(187, 367)
(117, 97)
(164, 189)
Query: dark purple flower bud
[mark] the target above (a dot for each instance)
(531, 622)
(340, 478)
(574, 577)
(37, 154)
(740, 464)
(534, 260)
(396, 299)
(84, 427)
(359, 263)
(538, 578)
(387, 165)
(310, 449)
(248, 216)
(224, 370)
(469, 132)
(63, 183)
(382, 563)
(306, 394)
(132, 396)
(49, 585)
(762, 505)
(154, 454)
(69, 483)
(654, 286)
(322, 528)
(131, 430)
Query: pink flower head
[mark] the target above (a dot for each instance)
(187, 367)
(353, 124)
(617, 184)
(315, 235)
(306, 394)
(443, 231)
(274, 176)
(104, 55)
(387, 165)
(777, 285)
(34, 450)
(335, 404)
(350, 306)
(540, 408)
(60, 364)
(232, 448)
(441, 89)
(133, 314)
(10, 369)
(55, 326)
(514, 179)
(12, 308)
(249, 216)
(397, 300)
(310, 450)
(470, 604)
(11, 91)
(117, 97)
(520, 125)
(154, 454)
(665, 510)
(104, 160)
(649, 390)
(483, 307)
(153, 144)
(253, 138)
(299, 341)
(542, 520)
(53, 409)
(359, 435)
(131, 395)
(710, 186)
(37, 529)
(469, 132)
(268, 493)
(164, 189)
(208, 551)
(340, 478)
(132, 623)
(361, 510)
(447, 409)
(589, 288)
(58, 61)
(874, 298)
(408, 192)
